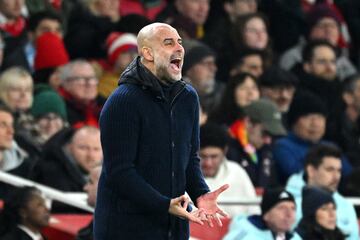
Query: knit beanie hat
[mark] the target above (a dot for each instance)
(118, 43)
(319, 11)
(271, 197)
(213, 135)
(48, 102)
(305, 103)
(313, 198)
(50, 52)
(195, 54)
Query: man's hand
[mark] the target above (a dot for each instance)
(208, 203)
(178, 208)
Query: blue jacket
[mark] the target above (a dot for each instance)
(252, 228)
(150, 140)
(289, 155)
(345, 212)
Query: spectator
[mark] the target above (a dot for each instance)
(187, 16)
(323, 169)
(13, 159)
(24, 215)
(89, 24)
(275, 222)
(307, 123)
(23, 53)
(278, 86)
(324, 24)
(218, 170)
(90, 188)
(249, 61)
(319, 216)
(49, 57)
(12, 19)
(318, 73)
(253, 151)
(68, 158)
(200, 70)
(122, 49)
(79, 90)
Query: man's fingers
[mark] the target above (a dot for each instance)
(218, 220)
(180, 199)
(186, 203)
(221, 189)
(222, 213)
(194, 219)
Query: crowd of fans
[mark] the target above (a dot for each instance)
(279, 90)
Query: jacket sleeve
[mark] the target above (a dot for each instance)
(195, 182)
(120, 127)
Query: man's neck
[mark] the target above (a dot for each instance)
(352, 113)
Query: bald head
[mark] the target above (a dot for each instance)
(146, 35)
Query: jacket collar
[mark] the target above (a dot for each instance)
(259, 223)
(136, 73)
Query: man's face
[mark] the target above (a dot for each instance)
(91, 186)
(123, 60)
(168, 54)
(6, 130)
(255, 134)
(196, 10)
(353, 98)
(86, 149)
(282, 96)
(327, 175)
(48, 25)
(252, 64)
(82, 83)
(211, 159)
(322, 64)
(202, 75)
(11, 8)
(326, 29)
(281, 217)
(310, 127)
(36, 213)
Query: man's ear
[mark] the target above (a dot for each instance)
(348, 98)
(307, 67)
(310, 171)
(147, 53)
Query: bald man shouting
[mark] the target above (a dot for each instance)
(150, 138)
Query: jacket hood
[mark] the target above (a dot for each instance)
(13, 157)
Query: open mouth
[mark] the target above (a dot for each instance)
(176, 63)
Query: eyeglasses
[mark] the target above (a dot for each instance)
(84, 79)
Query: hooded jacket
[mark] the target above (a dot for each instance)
(150, 143)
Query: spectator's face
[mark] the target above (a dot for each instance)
(211, 159)
(246, 93)
(36, 213)
(91, 186)
(48, 25)
(196, 10)
(281, 217)
(108, 8)
(19, 96)
(326, 29)
(255, 34)
(50, 124)
(202, 75)
(282, 96)
(322, 64)
(6, 130)
(11, 8)
(255, 134)
(252, 64)
(310, 127)
(123, 60)
(353, 99)
(168, 54)
(82, 84)
(86, 149)
(241, 7)
(327, 175)
(326, 216)
(203, 116)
